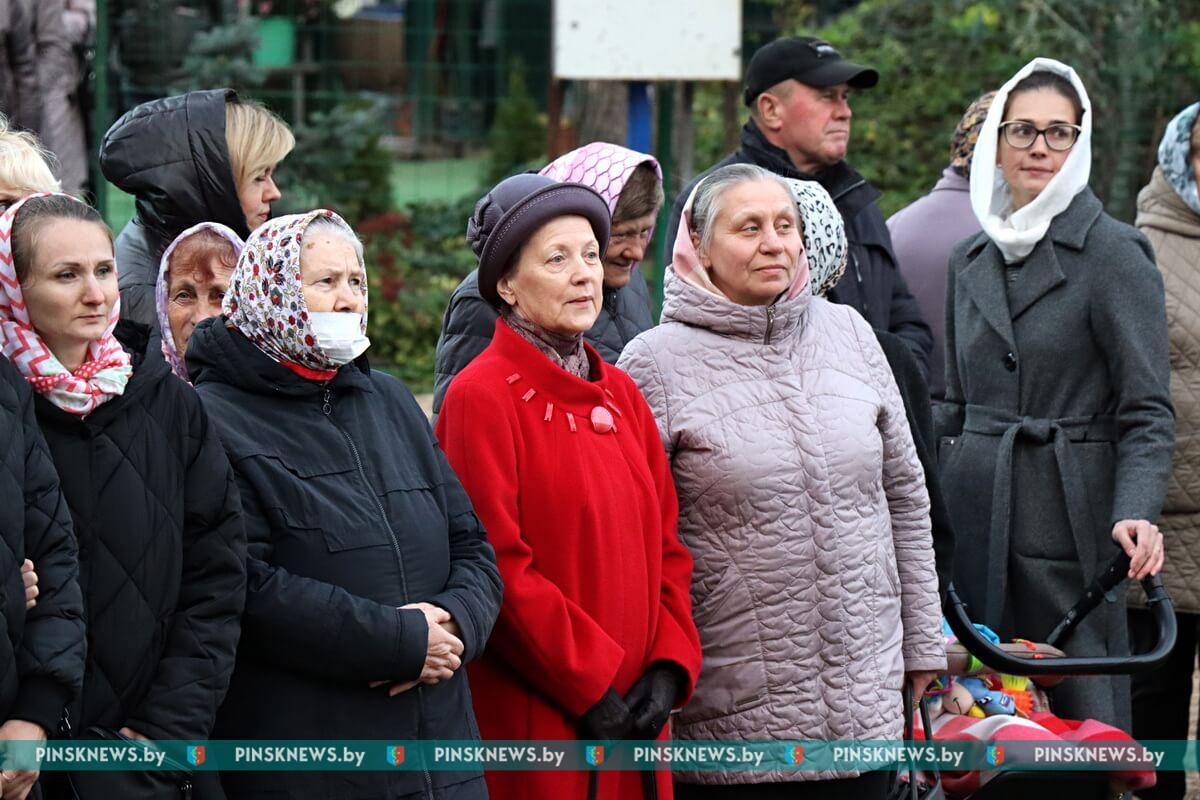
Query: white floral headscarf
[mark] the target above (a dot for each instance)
(265, 300)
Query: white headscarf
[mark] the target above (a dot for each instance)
(1016, 233)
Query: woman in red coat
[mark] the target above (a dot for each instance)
(563, 463)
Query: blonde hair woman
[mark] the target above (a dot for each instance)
(24, 165)
(258, 140)
(199, 157)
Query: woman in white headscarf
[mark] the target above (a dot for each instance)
(1057, 428)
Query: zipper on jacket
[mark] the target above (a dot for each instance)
(848, 190)
(327, 410)
(770, 324)
(862, 295)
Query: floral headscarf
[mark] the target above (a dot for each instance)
(824, 234)
(966, 133)
(265, 300)
(161, 301)
(105, 371)
(1175, 156)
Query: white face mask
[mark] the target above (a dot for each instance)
(339, 335)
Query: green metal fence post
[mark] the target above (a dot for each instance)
(665, 97)
(100, 113)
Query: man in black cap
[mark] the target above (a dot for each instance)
(797, 90)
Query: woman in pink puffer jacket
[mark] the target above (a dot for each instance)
(801, 497)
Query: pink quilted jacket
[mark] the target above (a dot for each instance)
(804, 506)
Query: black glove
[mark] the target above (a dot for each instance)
(609, 719)
(654, 695)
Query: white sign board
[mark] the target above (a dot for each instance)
(648, 40)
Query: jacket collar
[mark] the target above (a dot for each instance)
(1160, 206)
(693, 306)
(849, 190)
(219, 354)
(984, 275)
(538, 372)
(951, 181)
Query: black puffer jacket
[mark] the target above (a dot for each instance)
(352, 511)
(170, 154)
(469, 321)
(872, 284)
(161, 550)
(41, 650)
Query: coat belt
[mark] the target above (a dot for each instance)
(1060, 433)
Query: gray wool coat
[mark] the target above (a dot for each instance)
(1057, 424)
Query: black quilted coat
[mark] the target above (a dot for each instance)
(161, 550)
(41, 651)
(351, 511)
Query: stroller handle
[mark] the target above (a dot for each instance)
(1112, 576)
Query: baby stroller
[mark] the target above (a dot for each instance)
(1046, 665)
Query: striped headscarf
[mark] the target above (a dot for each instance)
(107, 367)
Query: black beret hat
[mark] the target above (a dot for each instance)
(514, 209)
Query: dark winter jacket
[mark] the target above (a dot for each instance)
(171, 155)
(351, 511)
(872, 284)
(161, 550)
(41, 650)
(914, 391)
(469, 321)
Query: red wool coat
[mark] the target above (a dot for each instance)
(583, 519)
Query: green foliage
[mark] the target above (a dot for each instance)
(519, 132)
(1139, 59)
(222, 56)
(339, 162)
(414, 258)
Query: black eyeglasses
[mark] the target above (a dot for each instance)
(1021, 135)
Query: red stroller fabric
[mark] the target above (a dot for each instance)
(1041, 726)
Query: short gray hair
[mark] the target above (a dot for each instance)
(708, 201)
(331, 226)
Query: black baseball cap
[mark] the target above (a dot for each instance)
(810, 60)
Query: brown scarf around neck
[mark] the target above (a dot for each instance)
(565, 351)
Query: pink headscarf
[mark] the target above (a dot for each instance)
(170, 353)
(602, 166)
(103, 374)
(685, 261)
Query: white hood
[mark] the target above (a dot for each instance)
(1017, 233)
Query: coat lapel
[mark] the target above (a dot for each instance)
(1042, 272)
(1040, 276)
(983, 278)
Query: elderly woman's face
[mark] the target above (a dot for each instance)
(755, 243)
(194, 296)
(332, 278)
(556, 280)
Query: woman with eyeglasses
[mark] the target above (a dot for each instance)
(1057, 430)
